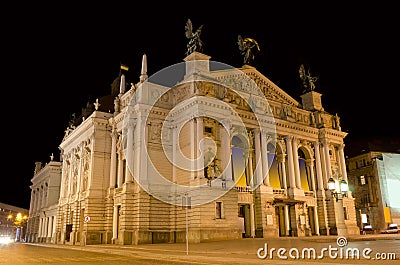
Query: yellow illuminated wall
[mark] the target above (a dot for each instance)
(303, 175)
(238, 166)
(273, 172)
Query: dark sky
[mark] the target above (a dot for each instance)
(56, 58)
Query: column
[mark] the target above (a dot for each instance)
(115, 223)
(120, 176)
(327, 160)
(322, 203)
(250, 167)
(318, 168)
(289, 150)
(281, 162)
(264, 155)
(311, 171)
(316, 220)
(142, 160)
(53, 228)
(175, 145)
(200, 158)
(252, 224)
(341, 226)
(44, 229)
(193, 148)
(342, 162)
(49, 228)
(31, 203)
(70, 180)
(137, 147)
(287, 219)
(296, 163)
(36, 207)
(79, 184)
(175, 162)
(226, 152)
(40, 228)
(129, 153)
(113, 163)
(257, 149)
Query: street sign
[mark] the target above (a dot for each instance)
(87, 219)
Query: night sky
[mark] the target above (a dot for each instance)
(57, 58)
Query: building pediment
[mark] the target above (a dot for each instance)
(249, 79)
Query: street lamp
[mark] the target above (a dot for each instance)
(339, 189)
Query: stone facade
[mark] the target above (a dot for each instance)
(369, 181)
(45, 194)
(13, 222)
(267, 159)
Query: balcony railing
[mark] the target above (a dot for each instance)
(279, 191)
(309, 193)
(245, 189)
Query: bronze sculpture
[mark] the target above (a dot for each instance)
(195, 43)
(246, 46)
(308, 80)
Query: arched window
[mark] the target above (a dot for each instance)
(305, 177)
(238, 163)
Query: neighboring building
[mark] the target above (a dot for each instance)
(13, 221)
(374, 178)
(45, 193)
(274, 186)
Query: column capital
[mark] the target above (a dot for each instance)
(310, 161)
(113, 133)
(281, 157)
(256, 130)
(288, 137)
(325, 142)
(315, 143)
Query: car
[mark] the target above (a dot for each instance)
(4, 240)
(392, 229)
(368, 230)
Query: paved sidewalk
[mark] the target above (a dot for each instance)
(243, 251)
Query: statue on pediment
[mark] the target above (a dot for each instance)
(246, 47)
(308, 79)
(213, 171)
(195, 43)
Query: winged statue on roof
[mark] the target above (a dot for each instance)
(195, 43)
(246, 47)
(307, 78)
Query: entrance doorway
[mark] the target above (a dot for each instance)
(244, 220)
(283, 214)
(311, 220)
(68, 231)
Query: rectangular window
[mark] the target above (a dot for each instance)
(218, 210)
(362, 180)
(208, 129)
(345, 213)
(123, 170)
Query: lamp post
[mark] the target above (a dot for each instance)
(186, 202)
(339, 188)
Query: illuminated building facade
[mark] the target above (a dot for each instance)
(374, 178)
(255, 161)
(13, 222)
(45, 193)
